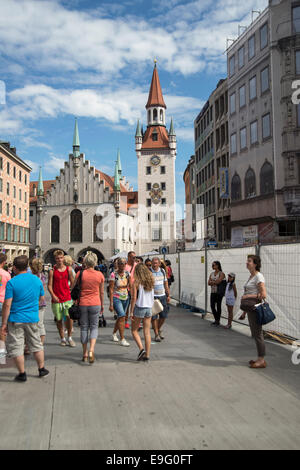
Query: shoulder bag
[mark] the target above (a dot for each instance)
(74, 311)
(264, 314)
(157, 307)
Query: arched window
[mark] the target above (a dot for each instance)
(236, 189)
(98, 228)
(123, 234)
(161, 115)
(149, 115)
(55, 229)
(266, 179)
(129, 235)
(76, 226)
(250, 184)
(154, 114)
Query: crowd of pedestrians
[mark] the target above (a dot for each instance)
(138, 292)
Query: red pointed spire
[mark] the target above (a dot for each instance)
(155, 94)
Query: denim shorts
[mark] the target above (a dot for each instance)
(142, 312)
(120, 306)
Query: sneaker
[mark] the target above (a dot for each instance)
(63, 342)
(124, 342)
(157, 339)
(141, 355)
(145, 359)
(127, 326)
(71, 343)
(21, 377)
(115, 338)
(43, 372)
(161, 334)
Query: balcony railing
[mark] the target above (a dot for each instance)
(204, 134)
(207, 157)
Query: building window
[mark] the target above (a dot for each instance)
(156, 235)
(1, 163)
(7, 209)
(233, 143)
(163, 201)
(25, 215)
(20, 194)
(15, 192)
(1, 185)
(163, 186)
(149, 217)
(7, 189)
(20, 214)
(31, 213)
(297, 62)
(16, 233)
(251, 47)
(148, 186)
(148, 170)
(8, 232)
(148, 202)
(236, 191)
(2, 226)
(25, 179)
(232, 103)
(242, 93)
(264, 36)
(14, 171)
(296, 19)
(154, 135)
(55, 229)
(8, 168)
(231, 66)
(14, 211)
(25, 197)
(287, 228)
(252, 88)
(253, 132)
(98, 228)
(266, 179)
(298, 115)
(250, 184)
(264, 79)
(241, 55)
(21, 235)
(162, 170)
(0, 206)
(76, 226)
(266, 126)
(154, 114)
(20, 176)
(243, 138)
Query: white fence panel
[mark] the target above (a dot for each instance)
(281, 268)
(192, 270)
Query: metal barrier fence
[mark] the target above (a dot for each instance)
(280, 267)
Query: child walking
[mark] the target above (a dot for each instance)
(230, 296)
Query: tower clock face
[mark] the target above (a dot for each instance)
(155, 160)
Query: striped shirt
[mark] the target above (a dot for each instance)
(159, 279)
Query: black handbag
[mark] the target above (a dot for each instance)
(264, 314)
(75, 293)
(74, 312)
(221, 288)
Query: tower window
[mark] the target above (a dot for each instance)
(148, 170)
(154, 136)
(155, 114)
(162, 170)
(163, 186)
(148, 202)
(148, 186)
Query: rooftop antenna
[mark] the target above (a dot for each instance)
(241, 27)
(255, 11)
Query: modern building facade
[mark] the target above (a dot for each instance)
(212, 162)
(156, 154)
(14, 203)
(264, 127)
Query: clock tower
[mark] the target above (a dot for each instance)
(156, 154)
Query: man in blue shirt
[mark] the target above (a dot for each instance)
(20, 316)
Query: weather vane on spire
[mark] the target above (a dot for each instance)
(155, 62)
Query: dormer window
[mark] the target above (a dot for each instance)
(154, 135)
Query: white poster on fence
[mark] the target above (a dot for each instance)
(237, 238)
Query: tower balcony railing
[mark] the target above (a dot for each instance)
(205, 159)
(206, 185)
(204, 134)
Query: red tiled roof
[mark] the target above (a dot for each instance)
(162, 138)
(47, 187)
(155, 94)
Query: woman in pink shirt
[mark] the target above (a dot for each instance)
(4, 278)
(91, 302)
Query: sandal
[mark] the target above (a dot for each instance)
(254, 365)
(91, 357)
(85, 359)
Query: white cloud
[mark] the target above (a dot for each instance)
(33, 165)
(54, 164)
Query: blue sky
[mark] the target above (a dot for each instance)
(94, 60)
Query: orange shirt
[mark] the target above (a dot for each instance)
(90, 288)
(131, 270)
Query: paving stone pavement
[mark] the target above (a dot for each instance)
(196, 392)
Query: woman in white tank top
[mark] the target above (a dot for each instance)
(142, 299)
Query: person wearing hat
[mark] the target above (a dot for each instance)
(230, 297)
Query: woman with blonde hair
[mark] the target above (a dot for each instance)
(142, 299)
(68, 261)
(36, 265)
(91, 302)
